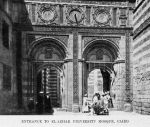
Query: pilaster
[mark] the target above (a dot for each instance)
(128, 105)
(75, 73)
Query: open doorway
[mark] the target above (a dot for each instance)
(98, 82)
(49, 84)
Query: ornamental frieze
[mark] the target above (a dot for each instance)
(84, 30)
(72, 15)
(87, 2)
(62, 38)
(86, 40)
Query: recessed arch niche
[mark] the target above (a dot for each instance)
(99, 56)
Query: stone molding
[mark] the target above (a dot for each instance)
(75, 2)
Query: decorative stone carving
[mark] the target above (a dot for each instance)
(101, 16)
(99, 54)
(128, 80)
(48, 53)
(75, 68)
(62, 38)
(75, 15)
(89, 39)
(47, 13)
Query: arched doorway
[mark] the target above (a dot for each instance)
(49, 83)
(99, 58)
(46, 67)
(99, 81)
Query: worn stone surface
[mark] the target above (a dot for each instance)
(32, 29)
(128, 107)
(141, 58)
(7, 61)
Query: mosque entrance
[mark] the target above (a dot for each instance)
(100, 56)
(48, 86)
(46, 72)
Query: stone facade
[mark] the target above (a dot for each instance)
(8, 91)
(74, 31)
(141, 87)
(75, 27)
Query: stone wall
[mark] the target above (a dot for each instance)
(118, 16)
(32, 23)
(8, 95)
(141, 58)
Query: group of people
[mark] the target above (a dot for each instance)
(41, 106)
(47, 107)
(99, 105)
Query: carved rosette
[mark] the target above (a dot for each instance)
(47, 14)
(75, 15)
(101, 16)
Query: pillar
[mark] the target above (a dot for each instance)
(118, 87)
(80, 66)
(128, 105)
(75, 73)
(69, 74)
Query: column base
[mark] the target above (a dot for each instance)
(128, 107)
(75, 108)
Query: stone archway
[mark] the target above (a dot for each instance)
(49, 80)
(43, 53)
(102, 55)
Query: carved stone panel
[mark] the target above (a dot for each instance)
(33, 37)
(116, 40)
(48, 14)
(75, 15)
(101, 16)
